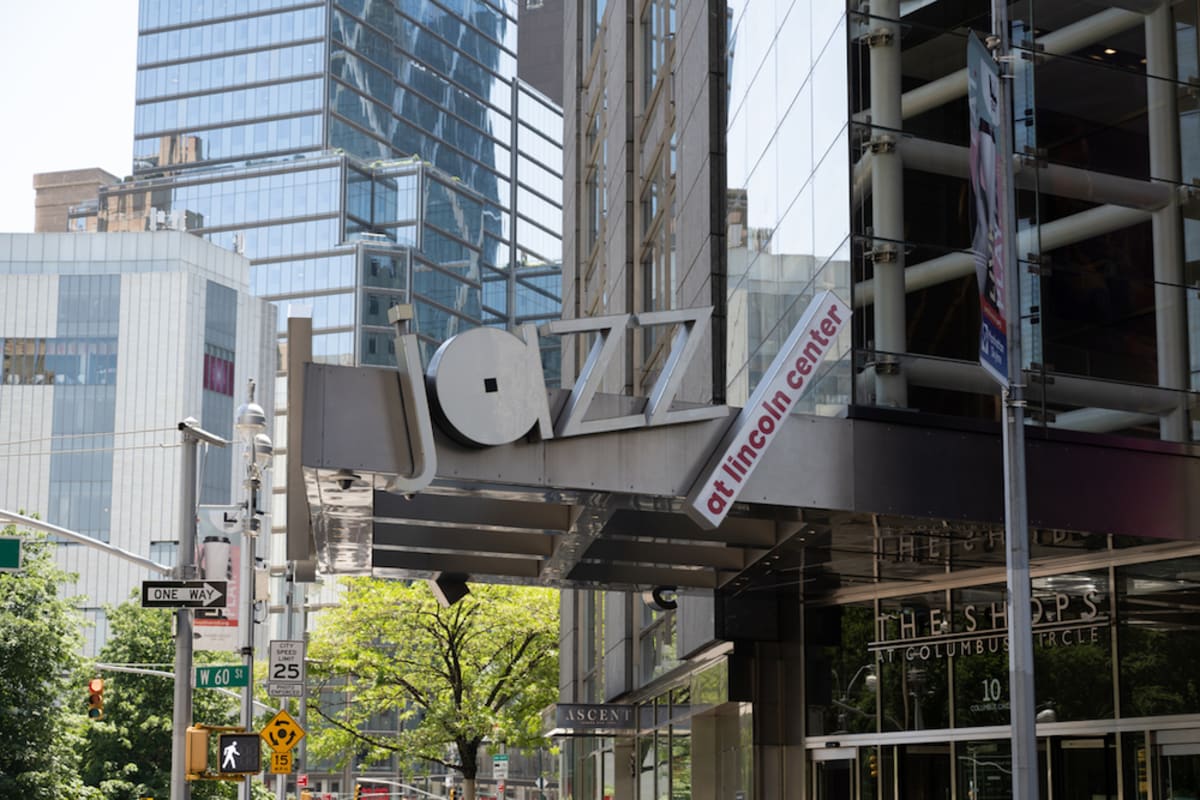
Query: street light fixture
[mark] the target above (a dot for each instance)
(844, 704)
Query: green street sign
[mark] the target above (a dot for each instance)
(222, 677)
(10, 553)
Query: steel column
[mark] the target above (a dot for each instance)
(887, 203)
(1170, 305)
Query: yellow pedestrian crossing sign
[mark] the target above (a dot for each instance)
(282, 733)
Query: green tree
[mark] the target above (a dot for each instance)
(128, 754)
(479, 670)
(40, 704)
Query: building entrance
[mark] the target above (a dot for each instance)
(1081, 768)
(1077, 767)
(834, 776)
(1178, 767)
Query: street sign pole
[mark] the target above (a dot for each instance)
(182, 713)
(1016, 521)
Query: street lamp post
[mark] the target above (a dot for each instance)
(251, 429)
(193, 436)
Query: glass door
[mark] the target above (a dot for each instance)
(833, 774)
(923, 772)
(1083, 768)
(1178, 765)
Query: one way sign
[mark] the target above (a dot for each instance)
(183, 594)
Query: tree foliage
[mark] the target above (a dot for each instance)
(481, 669)
(39, 653)
(128, 754)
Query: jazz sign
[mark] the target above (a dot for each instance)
(485, 387)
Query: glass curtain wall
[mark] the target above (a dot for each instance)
(911, 666)
(787, 197)
(1105, 150)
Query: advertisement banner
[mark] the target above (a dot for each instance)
(988, 192)
(218, 552)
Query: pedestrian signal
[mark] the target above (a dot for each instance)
(95, 703)
(239, 754)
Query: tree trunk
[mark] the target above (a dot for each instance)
(468, 789)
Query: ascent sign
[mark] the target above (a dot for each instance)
(789, 377)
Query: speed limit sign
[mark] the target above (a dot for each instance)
(285, 675)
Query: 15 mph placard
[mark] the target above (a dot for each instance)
(286, 674)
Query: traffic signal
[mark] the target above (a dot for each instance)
(358, 791)
(196, 751)
(453, 794)
(872, 766)
(95, 703)
(239, 753)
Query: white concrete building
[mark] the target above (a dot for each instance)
(108, 342)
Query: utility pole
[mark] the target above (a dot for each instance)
(1016, 519)
(193, 435)
(251, 425)
(289, 610)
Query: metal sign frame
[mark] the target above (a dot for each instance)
(196, 594)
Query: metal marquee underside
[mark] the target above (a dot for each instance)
(605, 510)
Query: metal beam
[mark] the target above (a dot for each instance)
(645, 576)
(663, 525)
(433, 538)
(96, 544)
(1059, 233)
(468, 510)
(629, 551)
(1059, 180)
(1067, 39)
(431, 563)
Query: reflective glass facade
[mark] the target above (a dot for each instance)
(823, 145)
(308, 111)
(1105, 239)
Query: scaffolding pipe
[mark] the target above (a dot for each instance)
(1170, 304)
(1065, 40)
(887, 200)
(1059, 233)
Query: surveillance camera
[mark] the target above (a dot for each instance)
(344, 478)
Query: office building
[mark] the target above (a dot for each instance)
(109, 341)
(360, 154)
(243, 106)
(66, 200)
(844, 631)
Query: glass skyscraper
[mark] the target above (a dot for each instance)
(318, 138)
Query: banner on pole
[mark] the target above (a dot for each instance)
(218, 532)
(988, 192)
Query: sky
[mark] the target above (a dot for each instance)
(67, 70)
